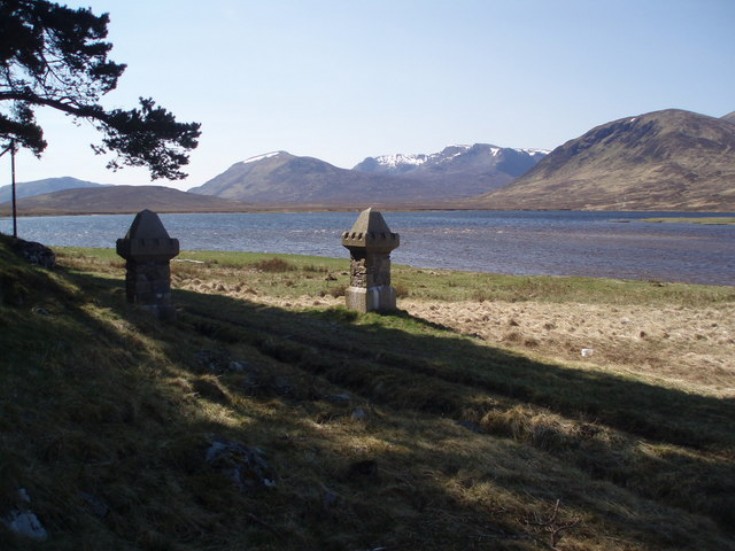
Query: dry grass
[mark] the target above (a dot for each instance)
(691, 347)
(672, 334)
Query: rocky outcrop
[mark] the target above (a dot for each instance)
(35, 253)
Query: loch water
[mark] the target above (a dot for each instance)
(599, 244)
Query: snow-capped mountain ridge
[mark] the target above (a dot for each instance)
(456, 172)
(453, 158)
(397, 160)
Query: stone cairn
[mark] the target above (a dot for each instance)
(148, 249)
(370, 242)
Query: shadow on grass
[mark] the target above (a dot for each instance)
(393, 343)
(412, 368)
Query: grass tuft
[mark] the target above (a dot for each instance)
(274, 265)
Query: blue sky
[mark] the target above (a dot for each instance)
(344, 79)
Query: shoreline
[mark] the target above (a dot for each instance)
(284, 209)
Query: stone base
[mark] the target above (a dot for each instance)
(381, 299)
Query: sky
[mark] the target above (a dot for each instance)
(342, 80)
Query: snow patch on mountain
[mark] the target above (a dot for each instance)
(399, 159)
(263, 156)
(529, 150)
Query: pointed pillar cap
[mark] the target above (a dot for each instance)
(147, 238)
(147, 224)
(370, 232)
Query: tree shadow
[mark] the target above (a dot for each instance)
(324, 366)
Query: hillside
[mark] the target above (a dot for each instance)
(121, 200)
(282, 179)
(665, 160)
(245, 425)
(39, 187)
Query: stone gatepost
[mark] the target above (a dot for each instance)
(148, 249)
(370, 242)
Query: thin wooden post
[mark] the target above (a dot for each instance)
(12, 184)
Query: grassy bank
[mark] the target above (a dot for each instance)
(404, 431)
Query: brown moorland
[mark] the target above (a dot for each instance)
(670, 160)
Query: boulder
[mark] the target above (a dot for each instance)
(245, 466)
(35, 253)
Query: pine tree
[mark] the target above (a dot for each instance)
(55, 56)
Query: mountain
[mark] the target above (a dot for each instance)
(475, 168)
(282, 179)
(665, 160)
(121, 199)
(39, 187)
(279, 178)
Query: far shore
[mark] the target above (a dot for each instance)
(710, 221)
(6, 210)
(702, 217)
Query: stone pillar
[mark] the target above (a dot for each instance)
(370, 242)
(148, 249)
